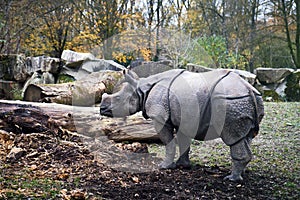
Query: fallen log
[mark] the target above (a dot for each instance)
(133, 128)
(84, 92)
(33, 117)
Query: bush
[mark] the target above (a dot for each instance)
(215, 46)
(292, 90)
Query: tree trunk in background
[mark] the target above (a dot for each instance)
(224, 27)
(7, 36)
(298, 33)
(252, 33)
(287, 30)
(150, 21)
(159, 6)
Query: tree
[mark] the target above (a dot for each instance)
(297, 40)
(15, 21)
(2, 41)
(247, 27)
(54, 24)
(287, 15)
(254, 5)
(155, 17)
(7, 6)
(103, 19)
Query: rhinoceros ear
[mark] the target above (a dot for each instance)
(130, 78)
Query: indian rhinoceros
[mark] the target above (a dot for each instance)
(185, 105)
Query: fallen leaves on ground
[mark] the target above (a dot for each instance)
(45, 165)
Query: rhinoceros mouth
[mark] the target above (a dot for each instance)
(106, 111)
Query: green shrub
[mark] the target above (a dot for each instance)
(64, 78)
(216, 47)
(16, 93)
(292, 90)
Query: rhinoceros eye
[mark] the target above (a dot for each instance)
(118, 98)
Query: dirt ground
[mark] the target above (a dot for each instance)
(51, 168)
(48, 166)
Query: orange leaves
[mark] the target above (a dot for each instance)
(122, 58)
(146, 53)
(126, 57)
(83, 42)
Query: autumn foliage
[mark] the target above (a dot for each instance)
(235, 34)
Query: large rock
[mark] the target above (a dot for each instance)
(76, 74)
(43, 63)
(89, 66)
(273, 91)
(13, 68)
(100, 65)
(48, 78)
(248, 76)
(279, 84)
(287, 89)
(272, 75)
(150, 68)
(75, 59)
(197, 68)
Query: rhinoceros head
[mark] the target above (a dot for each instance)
(124, 102)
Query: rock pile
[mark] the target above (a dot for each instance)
(17, 72)
(279, 84)
(275, 84)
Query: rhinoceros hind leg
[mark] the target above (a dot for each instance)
(184, 144)
(241, 155)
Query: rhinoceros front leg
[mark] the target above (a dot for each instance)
(241, 155)
(166, 134)
(184, 144)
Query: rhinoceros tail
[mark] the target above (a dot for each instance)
(255, 130)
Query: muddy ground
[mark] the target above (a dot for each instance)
(49, 166)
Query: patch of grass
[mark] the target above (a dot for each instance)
(20, 187)
(16, 93)
(76, 181)
(64, 78)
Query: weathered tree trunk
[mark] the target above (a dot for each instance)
(31, 117)
(297, 40)
(28, 117)
(133, 128)
(253, 31)
(84, 92)
(285, 14)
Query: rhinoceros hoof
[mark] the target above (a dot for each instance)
(234, 178)
(167, 166)
(183, 165)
